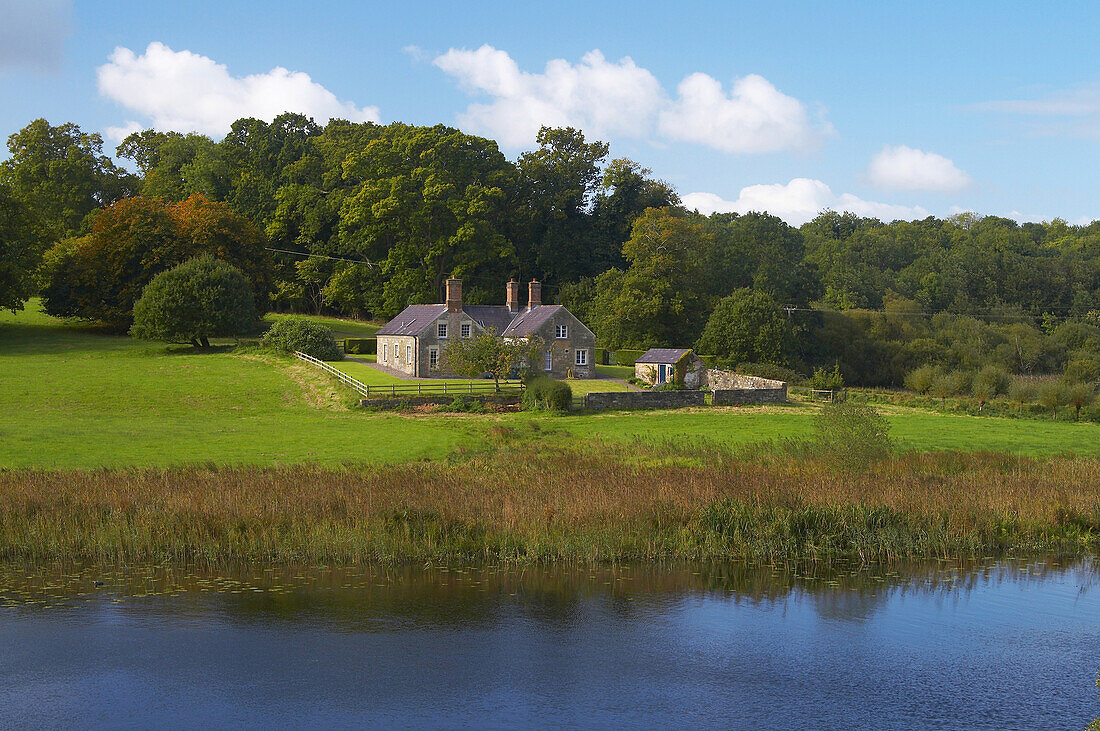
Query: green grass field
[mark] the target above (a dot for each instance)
(73, 397)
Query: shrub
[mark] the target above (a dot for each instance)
(824, 379)
(851, 434)
(772, 371)
(1020, 392)
(464, 405)
(200, 299)
(627, 357)
(921, 379)
(361, 346)
(547, 394)
(297, 333)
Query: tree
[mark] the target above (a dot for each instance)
(625, 192)
(200, 299)
(746, 326)
(61, 176)
(1020, 392)
(20, 252)
(100, 276)
(1053, 394)
(1080, 395)
(290, 334)
(486, 352)
(987, 384)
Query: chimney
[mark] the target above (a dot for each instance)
(513, 295)
(534, 294)
(454, 295)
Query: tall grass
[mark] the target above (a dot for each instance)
(521, 504)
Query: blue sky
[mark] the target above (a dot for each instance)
(886, 109)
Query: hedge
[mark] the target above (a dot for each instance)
(361, 346)
(627, 357)
(547, 394)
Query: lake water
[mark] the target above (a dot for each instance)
(1001, 645)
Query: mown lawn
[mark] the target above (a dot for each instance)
(74, 397)
(340, 327)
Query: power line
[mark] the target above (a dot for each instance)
(893, 313)
(322, 256)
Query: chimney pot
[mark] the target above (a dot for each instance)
(534, 294)
(454, 295)
(513, 296)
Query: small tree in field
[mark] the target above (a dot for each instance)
(1080, 395)
(1052, 395)
(200, 299)
(1021, 392)
(484, 352)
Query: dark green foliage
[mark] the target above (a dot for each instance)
(923, 378)
(295, 333)
(827, 379)
(487, 353)
(464, 405)
(361, 346)
(853, 435)
(547, 394)
(20, 252)
(746, 326)
(200, 299)
(626, 357)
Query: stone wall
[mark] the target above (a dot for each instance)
(644, 400)
(742, 396)
(404, 403)
(727, 380)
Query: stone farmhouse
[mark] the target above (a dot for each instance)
(414, 342)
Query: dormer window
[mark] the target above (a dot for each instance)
(441, 330)
(465, 329)
(561, 332)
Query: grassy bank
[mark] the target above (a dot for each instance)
(510, 504)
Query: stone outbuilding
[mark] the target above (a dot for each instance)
(414, 342)
(657, 366)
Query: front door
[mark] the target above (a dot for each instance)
(661, 374)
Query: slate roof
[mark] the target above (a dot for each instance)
(497, 317)
(528, 320)
(412, 320)
(663, 355)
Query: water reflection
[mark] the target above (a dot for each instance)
(990, 644)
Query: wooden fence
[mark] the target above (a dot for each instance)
(420, 388)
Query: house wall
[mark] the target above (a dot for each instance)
(429, 339)
(392, 352)
(564, 350)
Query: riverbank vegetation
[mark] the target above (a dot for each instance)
(519, 504)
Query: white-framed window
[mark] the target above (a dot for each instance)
(441, 330)
(408, 354)
(549, 362)
(433, 358)
(582, 357)
(385, 352)
(465, 329)
(561, 332)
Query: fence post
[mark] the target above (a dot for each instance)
(444, 388)
(418, 388)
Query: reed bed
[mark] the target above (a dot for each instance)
(521, 504)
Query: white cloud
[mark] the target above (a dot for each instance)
(32, 33)
(905, 168)
(798, 201)
(607, 99)
(600, 97)
(1067, 111)
(754, 117)
(186, 92)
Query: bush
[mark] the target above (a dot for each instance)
(463, 405)
(547, 394)
(296, 333)
(200, 299)
(772, 371)
(361, 346)
(823, 379)
(921, 379)
(853, 435)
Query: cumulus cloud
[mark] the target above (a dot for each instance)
(33, 32)
(187, 92)
(620, 98)
(754, 117)
(905, 168)
(598, 96)
(798, 201)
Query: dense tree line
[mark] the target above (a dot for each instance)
(363, 219)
